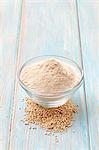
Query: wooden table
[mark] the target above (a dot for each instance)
(30, 28)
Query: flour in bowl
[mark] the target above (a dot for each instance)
(49, 76)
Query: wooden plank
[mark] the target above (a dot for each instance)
(89, 30)
(10, 13)
(48, 28)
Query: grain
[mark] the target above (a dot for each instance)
(53, 119)
(56, 139)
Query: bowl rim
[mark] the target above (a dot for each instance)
(64, 92)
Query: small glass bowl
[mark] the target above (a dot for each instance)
(46, 99)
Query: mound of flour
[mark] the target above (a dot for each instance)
(49, 76)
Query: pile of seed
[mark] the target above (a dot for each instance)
(55, 119)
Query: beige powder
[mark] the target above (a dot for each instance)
(54, 119)
(49, 76)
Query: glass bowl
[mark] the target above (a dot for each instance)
(46, 99)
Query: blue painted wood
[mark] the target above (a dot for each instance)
(48, 28)
(89, 28)
(10, 12)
